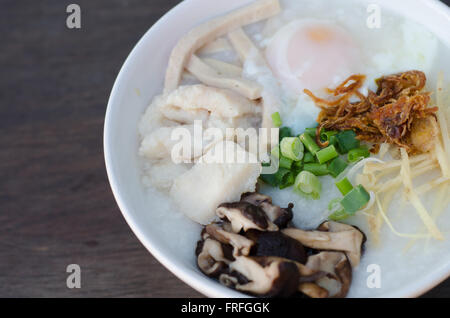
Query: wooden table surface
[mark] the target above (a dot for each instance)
(56, 206)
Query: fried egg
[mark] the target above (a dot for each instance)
(312, 54)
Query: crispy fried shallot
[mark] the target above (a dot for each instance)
(386, 115)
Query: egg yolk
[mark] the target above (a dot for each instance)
(312, 55)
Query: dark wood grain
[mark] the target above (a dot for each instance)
(56, 207)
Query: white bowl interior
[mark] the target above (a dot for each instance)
(141, 78)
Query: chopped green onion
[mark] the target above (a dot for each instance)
(292, 148)
(355, 200)
(309, 143)
(281, 174)
(347, 141)
(279, 178)
(276, 119)
(326, 154)
(297, 166)
(326, 135)
(288, 180)
(284, 178)
(337, 166)
(311, 132)
(339, 215)
(309, 184)
(333, 141)
(334, 204)
(285, 162)
(358, 154)
(316, 169)
(276, 152)
(285, 132)
(344, 186)
(309, 158)
(338, 211)
(270, 179)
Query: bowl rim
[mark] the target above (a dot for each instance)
(415, 290)
(190, 280)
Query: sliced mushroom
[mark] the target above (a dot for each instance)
(255, 198)
(228, 280)
(211, 257)
(241, 245)
(339, 272)
(247, 251)
(232, 278)
(307, 283)
(321, 240)
(359, 238)
(279, 216)
(332, 236)
(313, 290)
(276, 244)
(308, 274)
(267, 276)
(245, 216)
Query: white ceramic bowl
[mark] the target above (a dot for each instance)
(141, 77)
